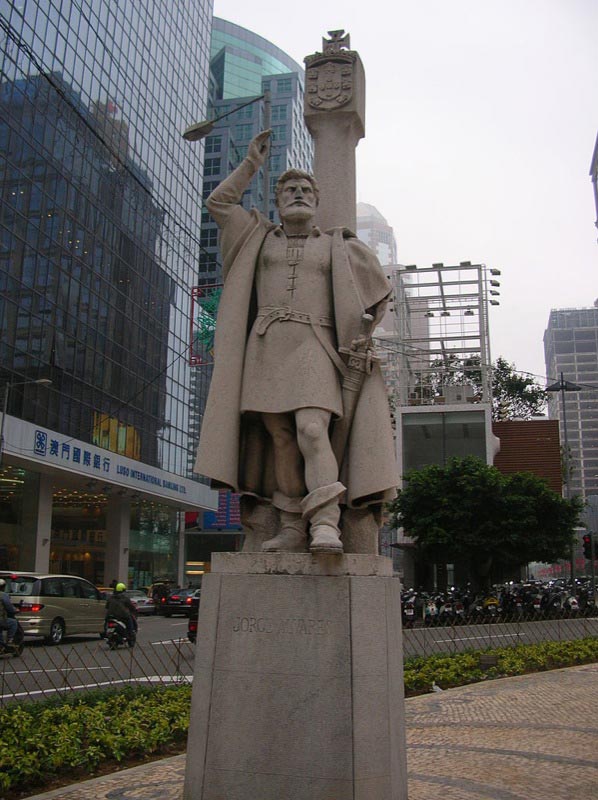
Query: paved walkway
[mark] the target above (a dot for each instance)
(527, 738)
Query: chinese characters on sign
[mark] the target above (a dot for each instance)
(66, 451)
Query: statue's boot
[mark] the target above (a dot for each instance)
(292, 536)
(321, 508)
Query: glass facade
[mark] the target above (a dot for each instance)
(240, 59)
(571, 348)
(99, 217)
(436, 437)
(99, 245)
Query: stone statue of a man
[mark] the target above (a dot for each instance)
(293, 299)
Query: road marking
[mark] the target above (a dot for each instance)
(147, 679)
(66, 669)
(493, 635)
(172, 641)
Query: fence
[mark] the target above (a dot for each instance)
(426, 641)
(44, 672)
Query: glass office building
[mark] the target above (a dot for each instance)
(571, 350)
(99, 245)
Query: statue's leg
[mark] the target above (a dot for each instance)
(321, 505)
(288, 469)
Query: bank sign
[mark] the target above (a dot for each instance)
(40, 445)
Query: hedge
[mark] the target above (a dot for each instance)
(458, 669)
(42, 740)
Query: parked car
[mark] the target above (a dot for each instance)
(143, 603)
(55, 606)
(177, 602)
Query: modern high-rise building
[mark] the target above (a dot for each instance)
(99, 245)
(243, 67)
(571, 353)
(374, 230)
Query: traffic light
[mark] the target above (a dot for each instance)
(587, 546)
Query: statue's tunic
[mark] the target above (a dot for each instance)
(286, 366)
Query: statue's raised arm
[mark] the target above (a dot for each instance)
(230, 190)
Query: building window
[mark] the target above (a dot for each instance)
(209, 237)
(279, 133)
(284, 84)
(213, 144)
(211, 166)
(243, 131)
(279, 113)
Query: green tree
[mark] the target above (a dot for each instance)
(468, 513)
(514, 396)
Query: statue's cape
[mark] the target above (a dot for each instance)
(235, 450)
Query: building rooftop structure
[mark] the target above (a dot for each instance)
(447, 359)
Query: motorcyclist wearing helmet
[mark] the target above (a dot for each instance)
(120, 607)
(8, 622)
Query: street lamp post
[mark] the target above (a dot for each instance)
(199, 130)
(563, 386)
(7, 387)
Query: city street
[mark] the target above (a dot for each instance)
(162, 654)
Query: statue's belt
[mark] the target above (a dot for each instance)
(266, 315)
(269, 314)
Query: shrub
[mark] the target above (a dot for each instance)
(41, 740)
(458, 669)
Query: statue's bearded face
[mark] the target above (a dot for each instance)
(297, 200)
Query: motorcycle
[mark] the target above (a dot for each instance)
(15, 648)
(117, 634)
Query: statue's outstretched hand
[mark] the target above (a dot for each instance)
(258, 149)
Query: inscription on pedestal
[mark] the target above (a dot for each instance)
(295, 625)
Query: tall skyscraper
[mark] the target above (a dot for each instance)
(98, 252)
(571, 348)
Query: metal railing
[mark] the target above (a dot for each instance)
(43, 672)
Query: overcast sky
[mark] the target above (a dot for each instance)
(481, 120)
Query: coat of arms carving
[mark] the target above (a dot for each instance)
(329, 85)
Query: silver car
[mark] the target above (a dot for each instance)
(143, 603)
(55, 606)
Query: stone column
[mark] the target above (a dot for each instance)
(335, 116)
(36, 523)
(118, 523)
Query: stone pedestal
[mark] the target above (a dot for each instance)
(298, 685)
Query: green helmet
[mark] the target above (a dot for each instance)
(120, 587)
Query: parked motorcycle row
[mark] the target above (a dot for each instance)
(505, 603)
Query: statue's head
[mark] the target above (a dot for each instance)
(297, 195)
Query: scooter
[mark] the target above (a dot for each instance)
(117, 634)
(15, 648)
